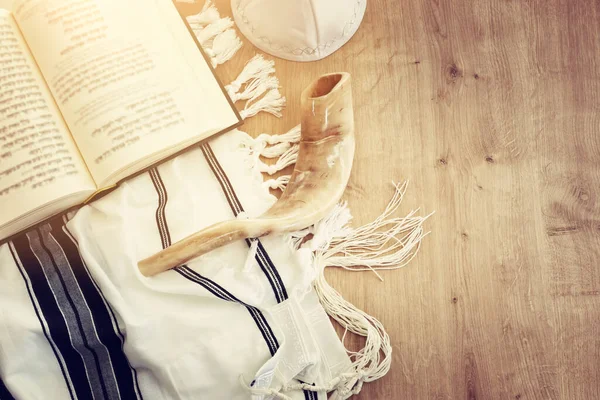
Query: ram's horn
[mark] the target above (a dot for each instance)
(316, 185)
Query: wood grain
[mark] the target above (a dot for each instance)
(491, 109)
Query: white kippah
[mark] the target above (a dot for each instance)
(298, 30)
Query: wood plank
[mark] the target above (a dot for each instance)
(492, 110)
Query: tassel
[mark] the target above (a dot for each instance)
(386, 243)
(255, 88)
(321, 233)
(256, 68)
(206, 34)
(277, 183)
(373, 361)
(291, 136)
(288, 158)
(207, 15)
(210, 53)
(276, 150)
(296, 239)
(335, 225)
(251, 149)
(258, 147)
(280, 145)
(224, 47)
(272, 102)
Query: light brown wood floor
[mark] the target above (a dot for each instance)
(491, 109)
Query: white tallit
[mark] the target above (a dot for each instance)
(78, 320)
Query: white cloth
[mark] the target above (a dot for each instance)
(185, 334)
(298, 30)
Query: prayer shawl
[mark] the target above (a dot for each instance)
(248, 320)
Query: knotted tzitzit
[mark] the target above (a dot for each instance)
(343, 386)
(255, 78)
(216, 35)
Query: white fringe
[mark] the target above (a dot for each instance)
(272, 102)
(224, 47)
(207, 34)
(207, 15)
(386, 243)
(277, 183)
(256, 69)
(283, 147)
(275, 150)
(255, 88)
(271, 146)
(291, 136)
(288, 158)
(214, 33)
(371, 362)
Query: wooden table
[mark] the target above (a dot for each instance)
(492, 110)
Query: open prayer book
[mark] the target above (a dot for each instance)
(93, 92)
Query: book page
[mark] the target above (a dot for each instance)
(39, 162)
(127, 77)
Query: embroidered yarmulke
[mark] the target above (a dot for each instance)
(298, 30)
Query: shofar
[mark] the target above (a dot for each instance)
(319, 179)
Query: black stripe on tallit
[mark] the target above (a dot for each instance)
(262, 257)
(163, 198)
(222, 293)
(188, 273)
